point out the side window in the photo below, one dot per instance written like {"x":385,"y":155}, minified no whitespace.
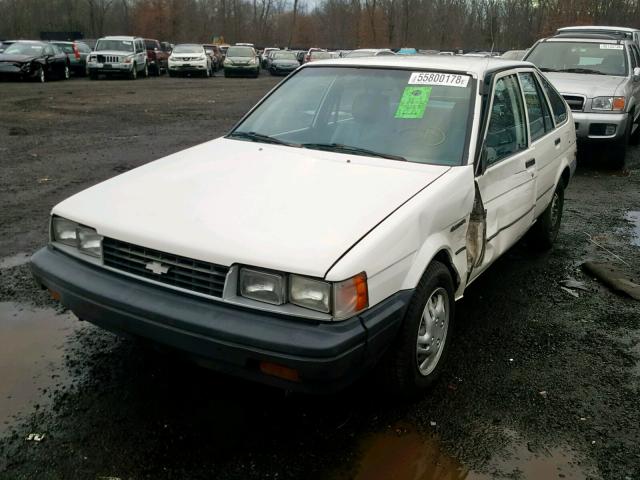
{"x":48,"y":50}
{"x":507,"y":133}
{"x":539,"y":115}
{"x":557,"y":103}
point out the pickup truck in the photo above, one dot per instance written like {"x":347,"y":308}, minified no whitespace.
{"x":333,"y":229}
{"x":157,"y":57}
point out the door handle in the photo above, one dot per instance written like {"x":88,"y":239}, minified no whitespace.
{"x":557,"y":142}
{"x":530,"y":163}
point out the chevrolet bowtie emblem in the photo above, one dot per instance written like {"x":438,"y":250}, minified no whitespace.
{"x":157,"y":268}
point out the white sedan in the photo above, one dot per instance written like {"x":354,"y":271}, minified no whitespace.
{"x":333,"y":229}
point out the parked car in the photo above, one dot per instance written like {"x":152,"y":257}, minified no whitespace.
{"x":34,"y":60}
{"x":157,"y":57}
{"x":190,"y":58}
{"x":599,"y":77}
{"x":630,"y":33}
{"x":369,"y":52}
{"x":264,"y":55}
{"x":513,"y":55}
{"x":77,"y":53}
{"x":216,"y":56}
{"x":241,"y":60}
{"x":365,"y":199}
{"x":307,"y":56}
{"x":119,"y":55}
{"x":283,"y":63}
{"x":321,"y":55}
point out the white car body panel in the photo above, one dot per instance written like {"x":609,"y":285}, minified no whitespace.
{"x":230,"y":201}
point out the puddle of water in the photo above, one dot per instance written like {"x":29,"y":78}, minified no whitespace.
{"x":634,"y":219}
{"x":14,"y":260}
{"x":403,"y":454}
{"x":31,"y":357}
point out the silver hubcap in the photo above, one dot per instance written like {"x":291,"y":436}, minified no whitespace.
{"x":66,"y":73}
{"x":432,"y":332}
{"x":42,"y":75}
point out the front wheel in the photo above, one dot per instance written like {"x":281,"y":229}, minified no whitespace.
{"x":41,"y":76}
{"x":544,"y":232}
{"x":415,"y":359}
{"x":133,"y":74}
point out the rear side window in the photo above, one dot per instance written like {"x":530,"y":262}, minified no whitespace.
{"x":557,"y":103}
{"x":507,"y":132}
{"x":539,"y":114}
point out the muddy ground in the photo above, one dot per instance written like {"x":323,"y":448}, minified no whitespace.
{"x":542,"y":384}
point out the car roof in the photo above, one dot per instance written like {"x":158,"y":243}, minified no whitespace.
{"x":599,"y":27}
{"x":117,"y":37}
{"x":28,"y":41}
{"x":476,"y":66}
{"x":588,"y":39}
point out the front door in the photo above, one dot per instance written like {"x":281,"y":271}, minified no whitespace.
{"x":508,"y":184}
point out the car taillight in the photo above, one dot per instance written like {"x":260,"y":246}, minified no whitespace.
{"x":76,"y":52}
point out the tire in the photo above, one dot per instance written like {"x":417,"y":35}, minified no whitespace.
{"x":405,"y":370}
{"x":544,"y":232}
{"x":634,"y":138}
{"x":619,"y":150}
{"x":145,"y":71}
{"x":41,"y":75}
{"x":133,"y":75}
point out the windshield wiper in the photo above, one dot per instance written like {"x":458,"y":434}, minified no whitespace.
{"x":260,"y":137}
{"x":582,"y":70}
{"x":338,"y":147}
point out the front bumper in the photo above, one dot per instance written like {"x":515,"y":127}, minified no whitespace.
{"x":10,"y":71}
{"x":240,"y":69}
{"x":110,"y":68}
{"x":592,"y":126}
{"x":188,"y":67}
{"x":230,"y":339}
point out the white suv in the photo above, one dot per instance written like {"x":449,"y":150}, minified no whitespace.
{"x":327,"y":232}
{"x":119,"y":56}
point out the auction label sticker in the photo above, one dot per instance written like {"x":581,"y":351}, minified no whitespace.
{"x":437,"y":78}
{"x":413,"y":102}
{"x":610,"y":46}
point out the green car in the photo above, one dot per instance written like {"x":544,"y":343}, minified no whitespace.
{"x":77,"y":53}
{"x":241,"y":60}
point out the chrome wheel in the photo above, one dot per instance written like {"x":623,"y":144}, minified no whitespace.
{"x":41,"y":76}
{"x":432,"y":331}
{"x":66,"y":72}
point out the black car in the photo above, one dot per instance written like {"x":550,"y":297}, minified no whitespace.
{"x":32,"y":60}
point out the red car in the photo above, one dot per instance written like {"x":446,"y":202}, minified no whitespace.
{"x":157,"y":57}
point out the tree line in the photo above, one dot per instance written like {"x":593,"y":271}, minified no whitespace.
{"x":428,"y":24}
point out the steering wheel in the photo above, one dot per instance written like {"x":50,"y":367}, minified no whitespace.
{"x":429,"y":136}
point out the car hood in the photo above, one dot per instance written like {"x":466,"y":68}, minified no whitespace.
{"x":583,"y":84}
{"x":17,"y":58}
{"x":231,"y":201}
{"x":240,"y":59}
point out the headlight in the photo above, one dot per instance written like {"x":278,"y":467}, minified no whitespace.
{"x":263,"y":286}
{"x":310,"y":293}
{"x":127,"y":59}
{"x":85,"y":239}
{"x":608,"y":103}
{"x":228,"y":61}
{"x":340,"y":299}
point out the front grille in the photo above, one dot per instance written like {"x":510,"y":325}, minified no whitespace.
{"x":187,"y":273}
{"x":575,"y":102}
{"x":108,"y":59}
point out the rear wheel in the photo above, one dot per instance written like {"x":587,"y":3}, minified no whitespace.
{"x":545,"y":231}
{"x":145,"y":72}
{"x":415,"y":359}
{"x":66,"y":73}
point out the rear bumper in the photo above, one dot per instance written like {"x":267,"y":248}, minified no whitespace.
{"x":591,"y":126}
{"x":327,"y":356}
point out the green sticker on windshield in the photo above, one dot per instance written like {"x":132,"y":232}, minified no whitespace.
{"x":413,"y":102}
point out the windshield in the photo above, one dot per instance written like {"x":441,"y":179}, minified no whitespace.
{"x":117,"y":45}
{"x":24,"y":49}
{"x":365,"y":111}
{"x":187,"y":49}
{"x":240,"y":52}
{"x":66,"y":47}
{"x":284,"y":56}
{"x":580,"y":57}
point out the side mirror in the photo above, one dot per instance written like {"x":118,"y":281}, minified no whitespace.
{"x":636,"y":74}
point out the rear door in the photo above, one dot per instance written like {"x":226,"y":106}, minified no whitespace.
{"x":508,"y":184}
{"x":545,"y":140}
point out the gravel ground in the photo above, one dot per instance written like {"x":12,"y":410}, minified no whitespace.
{"x":541,"y":384}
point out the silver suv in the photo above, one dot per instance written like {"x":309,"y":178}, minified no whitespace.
{"x":119,"y":56}
{"x":599,"y":77}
